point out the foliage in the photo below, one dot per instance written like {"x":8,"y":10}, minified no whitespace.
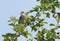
{"x":37,"y":23}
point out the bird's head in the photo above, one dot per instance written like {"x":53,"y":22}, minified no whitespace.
{"x":23,"y":13}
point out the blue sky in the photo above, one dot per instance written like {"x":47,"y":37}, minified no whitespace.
{"x":10,"y":8}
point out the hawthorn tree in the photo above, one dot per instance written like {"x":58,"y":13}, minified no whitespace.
{"x":36,"y":23}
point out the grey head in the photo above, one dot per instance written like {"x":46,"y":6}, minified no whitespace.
{"x":22,"y":12}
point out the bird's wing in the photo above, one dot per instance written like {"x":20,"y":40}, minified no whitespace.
{"x":19,"y":20}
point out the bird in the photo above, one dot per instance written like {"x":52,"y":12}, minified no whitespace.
{"x":22,"y":18}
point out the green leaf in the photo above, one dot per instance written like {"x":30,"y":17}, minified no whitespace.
{"x":58,"y":26}
{"x":44,"y":30}
{"x":38,"y":0}
{"x":9,"y":36}
{"x":43,"y":6}
{"x":46,"y":22}
{"x":57,"y":4}
{"x":35,"y":27}
{"x":29,"y":34}
{"x":38,"y":14}
{"x":36,"y":8}
{"x":52,"y":24}
{"x":11,"y":24}
{"x":31,"y":11}
{"x":13,"y":19}
{"x":25,"y":33}
{"x":32,"y":18}
{"x":48,"y":15}
{"x":52,"y":8}
{"x":19,"y":28}
{"x":59,"y":17}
